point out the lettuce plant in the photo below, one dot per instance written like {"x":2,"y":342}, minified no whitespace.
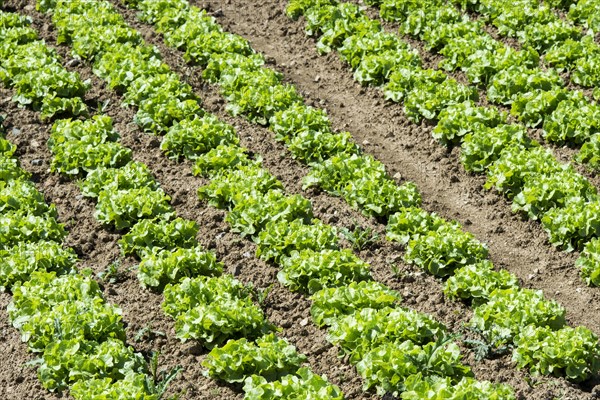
{"x":542,"y":192}
{"x":127,"y":62}
{"x":532,"y":107}
{"x":20,"y":261}
{"x":150,"y":236}
{"x":123,"y":208}
{"x":96,"y":130}
{"x":586,"y":13}
{"x":510,"y":18}
{"x":213,"y":310}
{"x":309,"y":270}
{"x":364,"y":183}
{"x":280,"y":239}
{"x":476,"y":282}
{"x":220,"y":159}
{"x":237,"y":183}
{"x":384,"y":326}
{"x":543,"y":35}
{"x":158,"y":112}
{"x":298,"y":118}
{"x":589,"y":262}
{"x":148,"y":86}
{"x":78,"y":158}
{"x":133,"y":175}
{"x":303,"y":385}
{"x":572,"y":352}
{"x":515,"y":163}
{"x":410,"y":222}
{"x":484,"y":146}
{"x":483,"y":65}
{"x":21,"y":227}
{"x":190,"y":138}
{"x":329,"y":304}
{"x":10,"y":169}
{"x":589,"y":154}
{"x":575,"y":120}
{"x":66,"y":362}
{"x":509,"y":311}
{"x":427,"y":100}
{"x":77,"y":320}
{"x":375,"y":69}
{"x":159,"y":268}
{"x":440,"y":252}
{"x":437,"y":388}
{"x":457,"y":120}
{"x":563,"y":55}
{"x":133,"y":386}
{"x":572,"y":226}
{"x":387,"y":367}
{"x":268,"y":357}
{"x":22,"y":195}
{"x":251,"y":213}
{"x":587,"y":70}
{"x":508,"y":84}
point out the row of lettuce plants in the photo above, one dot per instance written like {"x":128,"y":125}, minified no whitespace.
{"x":583,"y":12}
{"x":439,"y":246}
{"x":536,"y":94}
{"x":78,"y":338}
{"x":537,"y":183}
{"x":563,"y":44}
{"x":408,"y":352}
{"x":206,"y":304}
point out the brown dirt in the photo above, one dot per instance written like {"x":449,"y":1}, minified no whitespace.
{"x":380,"y":127}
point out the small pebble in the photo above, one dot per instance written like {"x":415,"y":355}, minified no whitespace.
{"x":73,"y":63}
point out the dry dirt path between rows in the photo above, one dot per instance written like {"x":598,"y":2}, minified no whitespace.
{"x":515,"y":244}
{"x":420,"y":291}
